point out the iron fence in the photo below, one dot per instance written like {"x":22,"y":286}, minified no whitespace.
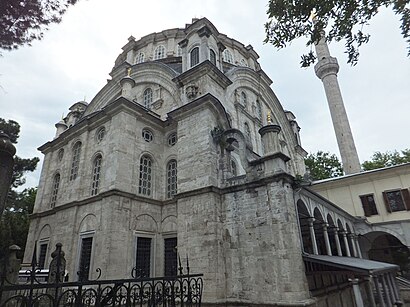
{"x":180,"y":290}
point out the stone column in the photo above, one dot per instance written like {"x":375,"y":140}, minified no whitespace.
{"x":351,"y":239}
{"x":369,"y":291}
{"x":312,"y":235}
{"x":338,"y":247}
{"x":357,"y":294}
{"x":359,"y":252}
{"x":327,"y":242}
{"x":127,"y":83}
{"x":7,"y":151}
{"x":270,"y":138}
{"x":378,"y":291}
{"x":346,"y":244}
{"x":387,"y":293}
{"x":394,"y":288}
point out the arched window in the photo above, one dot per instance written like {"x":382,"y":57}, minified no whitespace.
{"x":227,"y":55}
{"x":145,"y":182}
{"x":159,"y":52}
{"x":100,"y":134}
{"x":244,"y":101}
{"x":96,"y":174}
{"x":148,"y":98}
{"x":258,"y":109}
{"x":247,"y":130}
{"x":234,"y":169}
{"x":75,"y":161}
{"x":171,"y":178}
{"x":60,"y":154}
{"x":194,"y":56}
{"x":212,"y":56}
{"x":140,"y":58}
{"x":54,"y":192}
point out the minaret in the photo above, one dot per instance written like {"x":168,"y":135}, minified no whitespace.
{"x":326,"y":69}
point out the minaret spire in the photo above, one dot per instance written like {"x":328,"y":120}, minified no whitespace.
{"x":326,"y":69}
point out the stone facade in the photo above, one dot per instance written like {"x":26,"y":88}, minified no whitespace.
{"x":187,"y":141}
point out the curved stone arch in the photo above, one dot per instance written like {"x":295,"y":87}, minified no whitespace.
{"x":300,"y":203}
{"x":95,"y":154}
{"x":45,"y":232}
{"x":307,"y":201}
{"x":145,"y":222}
{"x":232,"y":135}
{"x":88,"y":223}
{"x":318,"y":214}
{"x":320,"y":209}
{"x":151,"y":72}
{"x":330,"y":219}
{"x":340,"y":224}
{"x":386,"y":230}
{"x":169,"y":224}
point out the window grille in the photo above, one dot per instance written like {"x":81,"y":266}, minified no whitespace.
{"x":258,"y":109}
{"x":170,"y":257}
{"x":148,"y":98}
{"x":85,"y":257}
{"x":171,"y":178}
{"x":100,"y":134}
{"x":60,"y":154}
{"x":143,"y":256}
{"x":194,"y":56}
{"x":54,"y":193}
{"x":212,"y":57}
{"x":42,"y":255}
{"x":145,"y":176}
{"x":96,"y":175}
{"x":159,"y":52}
{"x":140,"y":58}
{"x":227,"y":56}
{"x":147,"y":135}
{"x":244,"y":101}
{"x":172,"y":139}
{"x":76,"y":161}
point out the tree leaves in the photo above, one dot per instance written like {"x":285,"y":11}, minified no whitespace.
{"x":323,"y":165}
{"x":386,"y":159}
{"x":344,"y":20}
{"x":21,"y":22}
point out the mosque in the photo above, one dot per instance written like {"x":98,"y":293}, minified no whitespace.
{"x":187,"y":150}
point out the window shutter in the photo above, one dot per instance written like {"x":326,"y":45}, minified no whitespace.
{"x":386,"y":202}
{"x":366,"y":207}
{"x":406,"y":197}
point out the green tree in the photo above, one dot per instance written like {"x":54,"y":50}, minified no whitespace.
{"x":14,"y":221}
{"x":323,"y":165}
{"x":344,"y":19}
{"x":388,"y":158}
{"x":21,"y":22}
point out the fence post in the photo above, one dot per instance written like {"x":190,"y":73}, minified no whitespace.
{"x":7,"y":151}
{"x":9,"y":272}
{"x":56,"y":271}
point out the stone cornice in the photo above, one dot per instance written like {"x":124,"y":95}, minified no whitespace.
{"x":99,"y":197}
{"x":92,"y":120}
{"x":208,"y":100}
{"x":205,"y":68}
{"x":208,"y":189}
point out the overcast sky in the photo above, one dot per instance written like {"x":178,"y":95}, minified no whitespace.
{"x":72,"y":62}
